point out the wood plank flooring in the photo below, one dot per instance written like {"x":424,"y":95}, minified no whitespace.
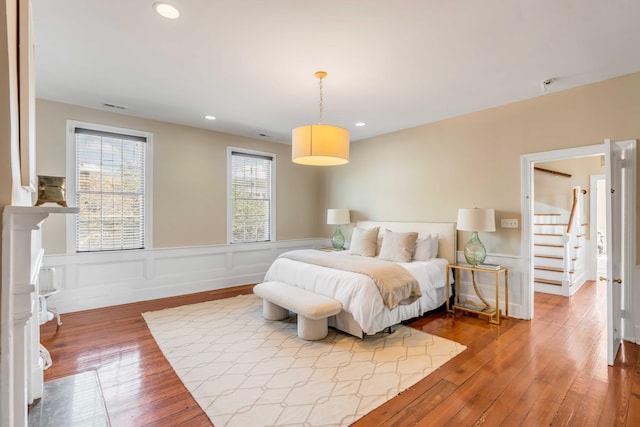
{"x":549,"y":371}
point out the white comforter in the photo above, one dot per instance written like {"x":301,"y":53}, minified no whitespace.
{"x":357,"y":292}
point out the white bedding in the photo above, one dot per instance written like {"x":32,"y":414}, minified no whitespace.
{"x":358,"y":293}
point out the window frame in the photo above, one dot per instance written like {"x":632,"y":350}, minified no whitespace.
{"x":71,"y":175}
{"x":272,"y":213}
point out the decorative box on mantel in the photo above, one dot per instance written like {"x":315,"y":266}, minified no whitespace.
{"x":20,"y":366}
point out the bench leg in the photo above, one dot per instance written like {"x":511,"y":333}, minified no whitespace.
{"x":271,"y":311}
{"x":312,"y":330}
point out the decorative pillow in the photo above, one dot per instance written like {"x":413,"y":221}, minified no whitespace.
{"x":423,"y":249}
{"x":379,"y":244}
{"x":364,"y":242}
{"x":434,"y":246}
{"x":398,"y":246}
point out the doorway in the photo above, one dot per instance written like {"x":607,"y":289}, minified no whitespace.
{"x":527,"y":162}
{"x":620,"y":168}
{"x":564,"y":254}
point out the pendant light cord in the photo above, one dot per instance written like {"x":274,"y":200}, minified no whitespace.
{"x":321,"y":102}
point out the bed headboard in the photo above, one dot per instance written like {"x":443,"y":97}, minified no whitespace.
{"x":446,"y":231}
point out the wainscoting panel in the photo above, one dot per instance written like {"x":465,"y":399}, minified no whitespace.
{"x":93,"y":280}
{"x":171,"y":265}
{"x":94,"y":274}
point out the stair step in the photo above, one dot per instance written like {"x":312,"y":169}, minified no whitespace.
{"x":551,"y":214}
{"x":547,"y":234}
{"x":552,"y":257}
{"x":548,"y":281}
{"x":545,"y":268}
{"x":550,"y":245}
{"x":555,"y":223}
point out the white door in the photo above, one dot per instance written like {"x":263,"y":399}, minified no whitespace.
{"x":616,"y":247}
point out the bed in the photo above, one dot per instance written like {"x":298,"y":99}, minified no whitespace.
{"x":364,"y":311}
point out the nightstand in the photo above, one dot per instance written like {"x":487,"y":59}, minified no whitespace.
{"x":483,"y":307}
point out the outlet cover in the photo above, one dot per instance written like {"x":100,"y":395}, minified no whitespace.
{"x":509,"y":223}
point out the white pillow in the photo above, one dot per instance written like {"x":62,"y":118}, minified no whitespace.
{"x":423,"y":249}
{"x":398,"y":246}
{"x":364,"y":242}
{"x":434,"y":246}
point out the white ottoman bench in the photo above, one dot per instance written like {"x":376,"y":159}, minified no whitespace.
{"x":312,"y":309}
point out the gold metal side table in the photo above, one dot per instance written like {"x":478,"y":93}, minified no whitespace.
{"x":483,"y":308}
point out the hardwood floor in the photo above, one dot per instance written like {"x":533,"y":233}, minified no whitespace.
{"x":549,"y":371}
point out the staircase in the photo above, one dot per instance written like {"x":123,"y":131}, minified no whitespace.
{"x":559,"y":250}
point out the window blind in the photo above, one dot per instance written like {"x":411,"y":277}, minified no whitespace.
{"x":110,"y":189}
{"x":251,"y":188}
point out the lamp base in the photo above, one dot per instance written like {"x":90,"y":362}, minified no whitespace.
{"x":337,"y":240}
{"x":475,"y":252}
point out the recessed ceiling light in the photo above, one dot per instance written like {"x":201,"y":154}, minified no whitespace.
{"x":166,"y":10}
{"x":360,"y":124}
{"x":210,"y":117}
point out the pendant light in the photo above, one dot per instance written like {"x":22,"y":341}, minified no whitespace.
{"x":320,"y":144}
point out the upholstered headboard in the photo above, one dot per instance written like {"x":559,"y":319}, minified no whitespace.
{"x":446,"y":232}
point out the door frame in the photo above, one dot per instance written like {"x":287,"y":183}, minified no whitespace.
{"x":526,"y":190}
{"x":592,"y":265}
{"x":629,"y":239}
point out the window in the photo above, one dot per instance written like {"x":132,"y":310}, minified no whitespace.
{"x":109,"y":183}
{"x":250,"y":189}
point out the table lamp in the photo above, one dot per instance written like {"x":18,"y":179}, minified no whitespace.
{"x":474,"y":220}
{"x":338,"y":217}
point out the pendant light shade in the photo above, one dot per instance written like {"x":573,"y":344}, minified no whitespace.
{"x":320,"y":144}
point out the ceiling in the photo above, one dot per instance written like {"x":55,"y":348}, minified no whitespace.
{"x":392,"y":65}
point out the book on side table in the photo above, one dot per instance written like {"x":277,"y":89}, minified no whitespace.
{"x":489,"y":266}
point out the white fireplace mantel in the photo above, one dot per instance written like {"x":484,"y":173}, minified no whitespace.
{"x":20,"y":367}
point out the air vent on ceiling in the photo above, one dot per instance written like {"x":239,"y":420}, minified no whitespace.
{"x":117,"y":107}
{"x":265,"y":135}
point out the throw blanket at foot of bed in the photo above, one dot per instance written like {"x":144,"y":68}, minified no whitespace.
{"x":396,"y":285}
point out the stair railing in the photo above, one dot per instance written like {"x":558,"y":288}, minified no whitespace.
{"x":571,"y":235}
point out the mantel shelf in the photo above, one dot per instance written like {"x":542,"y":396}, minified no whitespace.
{"x":30,"y":210}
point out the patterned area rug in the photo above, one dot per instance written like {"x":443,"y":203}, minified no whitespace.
{"x":244,"y":370}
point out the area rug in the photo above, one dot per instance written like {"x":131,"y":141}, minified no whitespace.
{"x":244,"y":370}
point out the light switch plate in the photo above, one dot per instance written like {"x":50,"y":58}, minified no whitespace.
{"x":509,"y":223}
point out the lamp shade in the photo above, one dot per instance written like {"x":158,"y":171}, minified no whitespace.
{"x":476,"y":219}
{"x":338,"y":216}
{"x":320,"y":145}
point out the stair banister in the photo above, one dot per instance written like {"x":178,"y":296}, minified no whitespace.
{"x":574,"y":205}
{"x":571,"y":235}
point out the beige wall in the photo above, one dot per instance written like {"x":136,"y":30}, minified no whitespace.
{"x":420,"y":174}
{"x":557,"y":191}
{"x":189,"y":179}
{"x":428,"y":172}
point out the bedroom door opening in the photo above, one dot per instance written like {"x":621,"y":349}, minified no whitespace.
{"x":620,"y":159}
